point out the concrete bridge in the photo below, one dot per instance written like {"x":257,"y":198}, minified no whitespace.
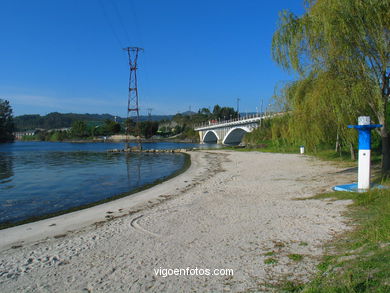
{"x":229,"y":132}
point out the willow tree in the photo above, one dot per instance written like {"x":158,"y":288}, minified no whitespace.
{"x":349,"y":41}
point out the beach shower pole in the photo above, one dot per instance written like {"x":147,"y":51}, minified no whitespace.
{"x":364,"y":165}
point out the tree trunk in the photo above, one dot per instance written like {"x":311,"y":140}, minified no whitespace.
{"x":353,"y":155}
{"x":384,"y":132}
{"x":385,"y":151}
{"x":337,"y":143}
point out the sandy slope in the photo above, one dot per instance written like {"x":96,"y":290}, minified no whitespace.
{"x":226,"y":212}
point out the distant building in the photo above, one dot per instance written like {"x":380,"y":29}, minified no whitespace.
{"x":20,"y":134}
{"x":59,"y":129}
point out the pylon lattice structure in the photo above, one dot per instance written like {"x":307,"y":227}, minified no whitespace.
{"x":132,"y":102}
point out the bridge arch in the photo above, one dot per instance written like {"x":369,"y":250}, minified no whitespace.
{"x":235,"y":135}
{"x":211,"y":136}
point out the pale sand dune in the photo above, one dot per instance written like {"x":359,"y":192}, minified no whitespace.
{"x":226,"y":211}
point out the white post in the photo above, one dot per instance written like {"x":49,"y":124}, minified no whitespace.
{"x":364,"y":164}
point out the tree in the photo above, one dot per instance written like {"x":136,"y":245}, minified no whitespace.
{"x":204,"y":111}
{"x":224,"y":112}
{"x":348,"y":42}
{"x":148,"y":128}
{"x":79,"y":129}
{"x":132,"y":127}
{"x":7,"y":126}
{"x":111,"y":127}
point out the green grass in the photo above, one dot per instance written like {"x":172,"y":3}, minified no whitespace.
{"x":361,"y":262}
{"x":270,"y":261}
{"x":295,"y":257}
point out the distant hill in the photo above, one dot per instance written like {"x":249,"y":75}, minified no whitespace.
{"x":188,"y":113}
{"x":57,"y":120}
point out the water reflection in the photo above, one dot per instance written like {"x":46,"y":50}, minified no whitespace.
{"x":6,"y":168}
{"x":132,"y":161}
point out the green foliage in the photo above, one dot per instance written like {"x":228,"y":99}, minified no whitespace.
{"x":270,"y":261}
{"x":190,"y":134}
{"x":295,"y":257}
{"x":79,"y":129}
{"x":43,"y":135}
{"x":145,"y":129}
{"x":224,"y":113}
{"x":148,"y":128}
{"x":111,"y":127}
{"x":259,"y":135}
{"x":7,"y":126}
{"x":57,"y":120}
{"x":341,"y":50}
{"x":58,"y":136}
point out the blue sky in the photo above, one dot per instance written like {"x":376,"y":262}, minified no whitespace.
{"x":66,"y":55}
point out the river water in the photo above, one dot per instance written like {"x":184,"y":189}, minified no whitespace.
{"x":39,"y":178}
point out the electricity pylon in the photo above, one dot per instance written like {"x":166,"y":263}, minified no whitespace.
{"x":132,"y":102}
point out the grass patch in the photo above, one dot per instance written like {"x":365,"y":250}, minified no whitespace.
{"x":295,"y":257}
{"x":270,"y":261}
{"x":362,"y":259}
{"x":269,"y":253}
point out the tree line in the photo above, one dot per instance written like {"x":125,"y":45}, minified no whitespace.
{"x":340,"y":51}
{"x":82,"y":130}
{"x":55,"y":126}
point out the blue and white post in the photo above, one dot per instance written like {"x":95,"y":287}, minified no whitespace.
{"x":364,"y":165}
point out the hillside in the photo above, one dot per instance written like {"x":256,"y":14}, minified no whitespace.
{"x":60,"y":120}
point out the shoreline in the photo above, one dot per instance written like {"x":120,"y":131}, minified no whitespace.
{"x":246,"y":211}
{"x":99,"y":212}
{"x":186,"y":165}
{"x":100,"y":140}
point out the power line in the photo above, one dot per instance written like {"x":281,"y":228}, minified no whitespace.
{"x":121,"y":21}
{"x":110,"y":24}
{"x":136,"y":23}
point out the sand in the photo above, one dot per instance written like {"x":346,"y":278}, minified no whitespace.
{"x":241,"y":211}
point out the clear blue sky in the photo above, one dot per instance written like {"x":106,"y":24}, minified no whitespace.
{"x":66,"y":56}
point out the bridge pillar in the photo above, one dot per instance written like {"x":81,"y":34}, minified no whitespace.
{"x":201,"y":136}
{"x":220,"y":136}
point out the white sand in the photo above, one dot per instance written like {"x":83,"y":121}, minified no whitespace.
{"x":226,"y":212}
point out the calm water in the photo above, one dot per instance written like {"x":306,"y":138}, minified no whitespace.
{"x":38,"y":178}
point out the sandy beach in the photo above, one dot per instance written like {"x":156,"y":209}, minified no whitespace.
{"x":228,"y":211}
